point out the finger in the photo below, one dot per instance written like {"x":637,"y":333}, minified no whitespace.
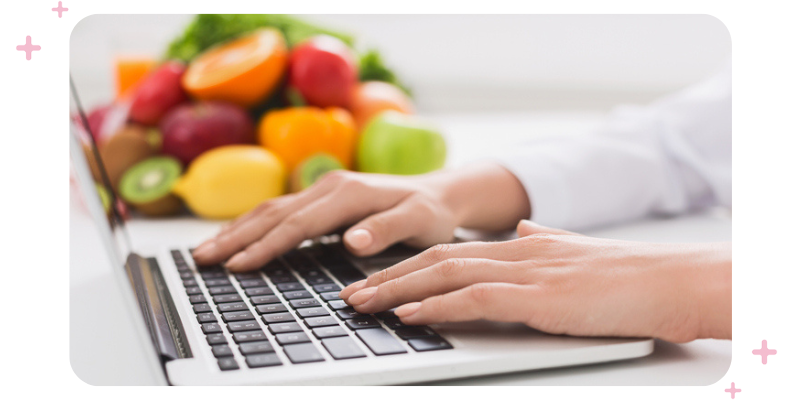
{"x":411,"y":218}
{"x":251,"y":227}
{"x":502,"y":302}
{"x":501,"y":251}
{"x":319,"y":217}
{"x":526,"y":228}
{"x":444,"y":277}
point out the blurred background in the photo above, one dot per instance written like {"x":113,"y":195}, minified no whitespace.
{"x":469,"y":63}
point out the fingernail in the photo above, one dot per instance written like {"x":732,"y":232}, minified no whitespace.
{"x":354,"y":287}
{"x":362,"y":296}
{"x":407,"y":309}
{"x":359,"y":238}
{"x":237,"y":259}
{"x":528,"y":223}
{"x":203,"y":249}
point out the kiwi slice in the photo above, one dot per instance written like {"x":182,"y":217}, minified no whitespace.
{"x":105,"y":197}
{"x":147,"y":186}
{"x":312,"y":169}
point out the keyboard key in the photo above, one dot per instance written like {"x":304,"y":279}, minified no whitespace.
{"x":237,"y":316}
{"x":312,"y":312}
{"x":239,"y":326}
{"x":216,"y":338}
{"x":328,"y":287}
{"x":262,"y":360}
{"x":227,"y":307}
{"x":329,"y":331}
{"x":244,"y":276}
{"x":342,"y":348}
{"x":298,"y":294}
{"x":189,"y":282}
{"x":187,"y":275}
{"x":227,"y":298}
{"x":303,"y":303}
{"x":213,"y":274}
{"x":383,"y":315}
{"x":414,"y":332}
{"x":256,"y":348}
{"x":284,"y":327}
{"x":279,"y":317}
{"x":268,"y":299}
{"x":380,"y":341}
{"x":275,"y":270}
{"x":193,"y":290}
{"x":221,"y":350}
{"x":221,"y":290}
{"x":303,"y":353}
{"x":349,"y":313}
{"x":206,"y":317}
{"x":211,"y":327}
{"x":283,"y":279}
{"x":227,"y":364}
{"x":197,"y":298}
{"x":394,"y":323}
{"x":218,"y":282}
{"x":270,"y":308}
{"x":338,"y":305}
{"x":330,"y":296}
{"x":201,"y":308}
{"x":315,"y":322}
{"x":429,"y":343}
{"x":292,"y":338}
{"x":253,"y":283}
{"x":258,"y":291}
{"x":288,"y":287}
{"x":319,"y":281}
{"x":310,"y":272}
{"x":249,"y":336}
{"x":362,"y":323}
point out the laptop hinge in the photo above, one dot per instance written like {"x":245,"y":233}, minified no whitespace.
{"x":158,"y":309}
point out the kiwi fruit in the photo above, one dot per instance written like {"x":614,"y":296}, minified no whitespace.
{"x":313,"y":168}
{"x":147,"y":186}
{"x":128,"y":146}
{"x":105,"y":197}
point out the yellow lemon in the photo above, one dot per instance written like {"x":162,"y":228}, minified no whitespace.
{"x":230,"y":180}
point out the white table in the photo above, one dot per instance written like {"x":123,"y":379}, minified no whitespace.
{"x":100,"y":356}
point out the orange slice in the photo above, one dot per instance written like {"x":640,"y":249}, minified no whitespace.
{"x":244,"y":71}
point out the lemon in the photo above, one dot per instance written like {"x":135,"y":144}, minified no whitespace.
{"x":230,"y":180}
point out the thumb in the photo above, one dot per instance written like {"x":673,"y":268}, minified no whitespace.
{"x":526,"y":228}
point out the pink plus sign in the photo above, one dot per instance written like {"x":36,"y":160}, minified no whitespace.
{"x":733,"y":390}
{"x":764,"y":351}
{"x":60,"y":9}
{"x":28,"y":48}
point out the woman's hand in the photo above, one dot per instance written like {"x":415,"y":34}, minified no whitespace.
{"x":563,"y":283}
{"x":420,"y":211}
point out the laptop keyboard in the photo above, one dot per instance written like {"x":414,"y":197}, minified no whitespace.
{"x":292,"y":305}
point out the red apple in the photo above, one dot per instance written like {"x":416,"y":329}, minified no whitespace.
{"x":324,"y":71}
{"x":191,"y":129}
{"x":158,"y":93}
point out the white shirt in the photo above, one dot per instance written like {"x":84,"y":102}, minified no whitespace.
{"x":670,"y":157}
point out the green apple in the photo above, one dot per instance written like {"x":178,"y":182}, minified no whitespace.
{"x":396,"y":143}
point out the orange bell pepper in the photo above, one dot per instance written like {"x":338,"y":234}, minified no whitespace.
{"x":295,"y":134}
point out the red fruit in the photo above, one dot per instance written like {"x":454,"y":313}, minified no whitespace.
{"x":158,"y":93}
{"x":191,"y":129}
{"x":324,"y":70}
{"x":96,"y":118}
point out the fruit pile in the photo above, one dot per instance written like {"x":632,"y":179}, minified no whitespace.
{"x":248,"y":119}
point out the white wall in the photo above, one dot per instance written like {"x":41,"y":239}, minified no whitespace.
{"x":479,"y":62}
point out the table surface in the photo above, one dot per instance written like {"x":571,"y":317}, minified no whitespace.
{"x":100,"y":356}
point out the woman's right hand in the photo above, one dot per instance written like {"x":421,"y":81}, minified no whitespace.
{"x":383,"y":209}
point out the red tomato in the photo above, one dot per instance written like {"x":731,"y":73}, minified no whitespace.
{"x":324,"y":70}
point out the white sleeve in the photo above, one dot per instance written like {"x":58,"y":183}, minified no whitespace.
{"x":670,"y":157}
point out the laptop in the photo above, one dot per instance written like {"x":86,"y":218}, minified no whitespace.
{"x":284,"y":324}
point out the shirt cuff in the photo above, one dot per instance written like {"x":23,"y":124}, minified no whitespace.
{"x":544,"y":183}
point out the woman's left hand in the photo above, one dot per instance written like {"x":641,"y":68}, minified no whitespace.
{"x":564,"y":283}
